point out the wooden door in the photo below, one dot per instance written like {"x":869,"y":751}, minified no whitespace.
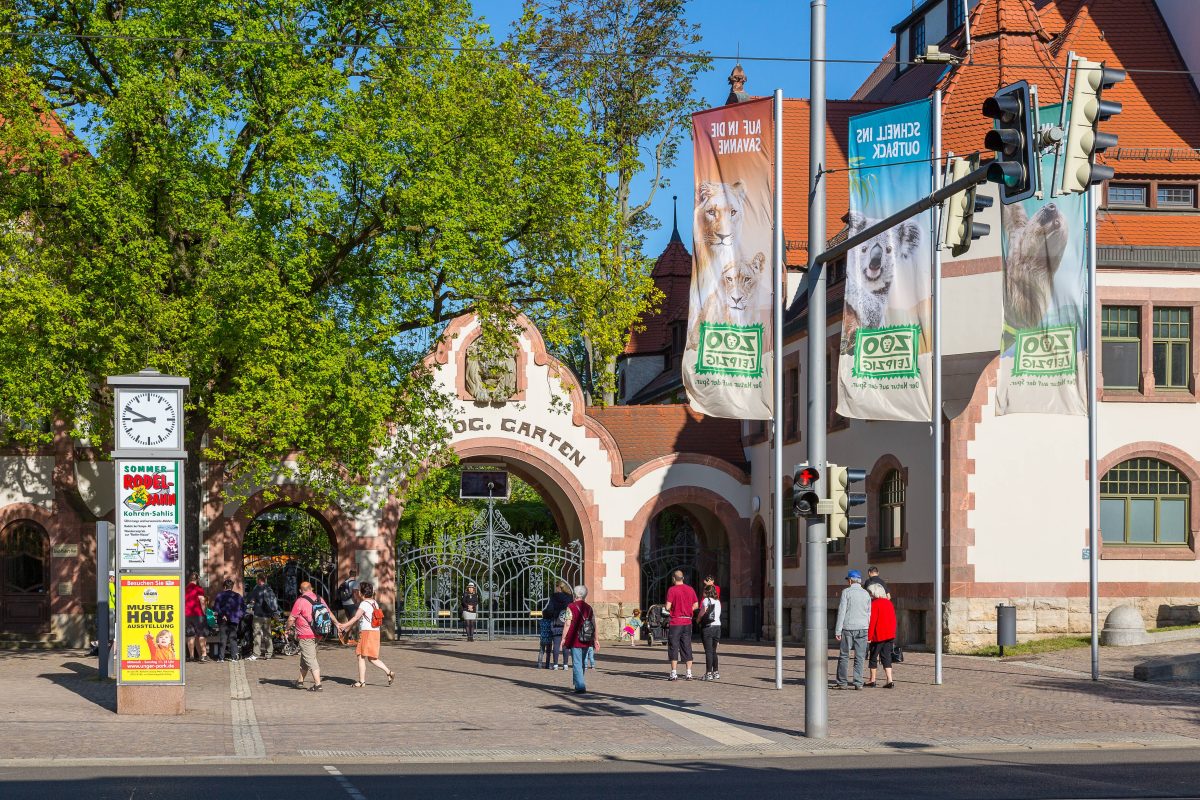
{"x":24,"y":579}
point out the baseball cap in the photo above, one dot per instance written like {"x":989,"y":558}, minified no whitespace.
{"x":853,"y":574}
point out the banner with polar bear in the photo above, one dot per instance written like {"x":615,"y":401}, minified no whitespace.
{"x":1043,"y":350}
{"x":884,"y":369}
{"x":727,"y":355}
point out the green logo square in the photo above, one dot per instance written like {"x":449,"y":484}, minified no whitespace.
{"x":886,"y":352}
{"x":1045,"y":351}
{"x":734,"y":350}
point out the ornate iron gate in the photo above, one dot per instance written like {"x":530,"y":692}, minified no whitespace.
{"x":514,"y":573}
{"x":684,"y":553}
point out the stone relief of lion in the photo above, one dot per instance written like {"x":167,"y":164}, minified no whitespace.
{"x":491,"y":380}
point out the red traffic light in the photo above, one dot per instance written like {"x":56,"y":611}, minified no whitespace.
{"x":807,"y":477}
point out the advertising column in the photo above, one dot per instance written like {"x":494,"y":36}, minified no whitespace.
{"x":149,"y":456}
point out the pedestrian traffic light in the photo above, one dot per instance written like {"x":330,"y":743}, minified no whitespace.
{"x":804,"y":490}
{"x":961,"y":227}
{"x":1014,"y":141}
{"x":1084,"y":138}
{"x":840,"y":481}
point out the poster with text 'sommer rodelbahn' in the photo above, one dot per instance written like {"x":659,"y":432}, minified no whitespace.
{"x":727,"y":358}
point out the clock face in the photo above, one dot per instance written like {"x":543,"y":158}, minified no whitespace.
{"x":149,"y":419}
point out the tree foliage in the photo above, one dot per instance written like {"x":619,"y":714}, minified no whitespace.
{"x":275,"y":200}
{"x":621,"y":60}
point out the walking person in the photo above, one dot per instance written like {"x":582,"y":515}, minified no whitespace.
{"x":470,"y":610}
{"x":195,"y":625}
{"x":369,"y":619}
{"x":347,"y":604}
{"x":557,"y":658}
{"x":850,"y":630}
{"x":681,"y":604}
{"x":632,"y":627}
{"x":710,"y":631}
{"x":873,"y":578}
{"x":881,"y":633}
{"x":579,"y":635}
{"x":301,"y":619}
{"x":264,"y":606}
{"x":710,"y":580}
{"x":230,"y":607}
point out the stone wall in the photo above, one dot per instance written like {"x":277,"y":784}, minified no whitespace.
{"x":971,"y":622}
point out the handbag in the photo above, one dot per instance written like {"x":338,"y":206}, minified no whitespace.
{"x":897,"y":654}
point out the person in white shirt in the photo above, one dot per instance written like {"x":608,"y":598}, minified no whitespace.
{"x":366,"y":617}
{"x":710,"y":631}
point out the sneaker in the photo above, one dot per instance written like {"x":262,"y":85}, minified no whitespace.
{"x":688,"y":677}
{"x":716,"y":676}
{"x":673,"y":677}
{"x":707,"y":676}
{"x":252,"y":657}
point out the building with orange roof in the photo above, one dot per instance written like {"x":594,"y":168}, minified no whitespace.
{"x":1015,"y":510}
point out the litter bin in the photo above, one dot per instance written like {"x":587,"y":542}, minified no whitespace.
{"x":1006,"y":626}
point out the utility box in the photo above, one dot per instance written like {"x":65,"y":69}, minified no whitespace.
{"x":1006,"y":626}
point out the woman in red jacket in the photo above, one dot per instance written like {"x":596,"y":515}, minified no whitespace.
{"x":881,"y":633}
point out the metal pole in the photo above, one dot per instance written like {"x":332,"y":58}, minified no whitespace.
{"x":491,"y":600}
{"x":1093,"y":326}
{"x":780,"y":297}
{"x":816,"y":621}
{"x":104,"y":612}
{"x":936,"y":410}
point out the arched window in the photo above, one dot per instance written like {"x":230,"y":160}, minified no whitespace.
{"x":23,"y":555}
{"x":1144,"y":501}
{"x":891,"y":512}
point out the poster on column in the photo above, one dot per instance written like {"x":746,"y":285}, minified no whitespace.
{"x":148,"y":514}
{"x":151,"y":628}
{"x":885,"y":355}
{"x":727,"y":357}
{"x":1043,"y":349}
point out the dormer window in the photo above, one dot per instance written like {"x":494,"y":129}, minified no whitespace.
{"x":916,"y":39}
{"x":956,"y":15}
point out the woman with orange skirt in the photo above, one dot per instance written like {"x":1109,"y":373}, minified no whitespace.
{"x":369,"y":618}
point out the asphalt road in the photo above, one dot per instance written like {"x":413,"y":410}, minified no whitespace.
{"x":1096,"y":773}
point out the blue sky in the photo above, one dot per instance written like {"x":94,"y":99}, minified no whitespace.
{"x":760,"y":28}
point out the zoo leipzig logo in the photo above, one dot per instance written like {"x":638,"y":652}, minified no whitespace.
{"x":886,"y":352}
{"x":734,"y":350}
{"x":1045,"y":351}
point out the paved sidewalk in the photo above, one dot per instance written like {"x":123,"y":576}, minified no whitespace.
{"x":455,"y":701}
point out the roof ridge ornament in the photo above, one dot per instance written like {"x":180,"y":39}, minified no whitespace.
{"x":737,"y":86}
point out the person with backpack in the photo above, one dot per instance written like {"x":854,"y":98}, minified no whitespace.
{"x":369,"y":618}
{"x":555,"y":612}
{"x":579,"y":635}
{"x":347,"y":604}
{"x":310,"y":617}
{"x":264,"y":606}
{"x":230,"y":607}
{"x":710,"y":631}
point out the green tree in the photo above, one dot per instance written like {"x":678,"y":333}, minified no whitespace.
{"x":620,"y":60}
{"x":278,"y":200}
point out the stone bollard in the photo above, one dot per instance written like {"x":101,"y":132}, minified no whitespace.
{"x":1124,"y":627}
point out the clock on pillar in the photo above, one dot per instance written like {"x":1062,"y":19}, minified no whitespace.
{"x":148,"y":415}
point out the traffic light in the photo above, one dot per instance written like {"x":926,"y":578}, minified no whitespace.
{"x":1014,"y":141}
{"x":840,"y":481}
{"x":1084,"y":138}
{"x":804,"y":490}
{"x":961,"y":227}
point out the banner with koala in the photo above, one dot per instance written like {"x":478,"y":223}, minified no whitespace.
{"x":727,"y":357}
{"x":1043,"y":350}
{"x":884,"y":371}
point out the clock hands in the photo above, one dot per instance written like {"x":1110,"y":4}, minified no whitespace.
{"x":140,"y":417}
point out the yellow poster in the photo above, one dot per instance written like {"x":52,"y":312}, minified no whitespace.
{"x":151,"y":621}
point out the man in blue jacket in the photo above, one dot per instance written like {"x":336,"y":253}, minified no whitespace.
{"x":853,"y":618}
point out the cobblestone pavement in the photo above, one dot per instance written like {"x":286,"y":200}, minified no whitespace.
{"x":458,"y":701}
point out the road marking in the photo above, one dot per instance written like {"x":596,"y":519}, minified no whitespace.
{"x":707,"y":726}
{"x":247,"y":739}
{"x":345,"y":783}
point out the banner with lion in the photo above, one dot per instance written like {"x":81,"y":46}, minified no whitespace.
{"x":885,"y":359}
{"x":727,"y":357}
{"x":1043,"y":349}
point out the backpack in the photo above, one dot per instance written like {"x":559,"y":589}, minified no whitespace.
{"x":322,"y":620}
{"x":586,"y":633}
{"x":707,"y":617}
{"x":346,"y":592}
{"x":376,"y":616}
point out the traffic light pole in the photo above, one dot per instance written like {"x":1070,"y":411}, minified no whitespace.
{"x":1093,"y":323}
{"x":816,"y":618}
{"x":935,"y":415}
{"x":780,"y":297}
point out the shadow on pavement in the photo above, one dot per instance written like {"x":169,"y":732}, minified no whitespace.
{"x":84,"y":680}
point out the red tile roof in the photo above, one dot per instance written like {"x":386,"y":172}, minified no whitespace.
{"x":646,"y":432}
{"x":1162,"y":230}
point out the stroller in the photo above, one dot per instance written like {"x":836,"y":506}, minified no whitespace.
{"x":657,"y":621}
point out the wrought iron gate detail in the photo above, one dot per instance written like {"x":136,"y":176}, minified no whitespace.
{"x":514,"y":573}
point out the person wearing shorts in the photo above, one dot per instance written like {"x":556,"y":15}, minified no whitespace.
{"x":300,"y":618}
{"x":368,"y":633}
{"x":195,"y":626}
{"x":682,"y":604}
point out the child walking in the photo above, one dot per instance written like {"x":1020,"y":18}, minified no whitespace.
{"x":632,"y":627}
